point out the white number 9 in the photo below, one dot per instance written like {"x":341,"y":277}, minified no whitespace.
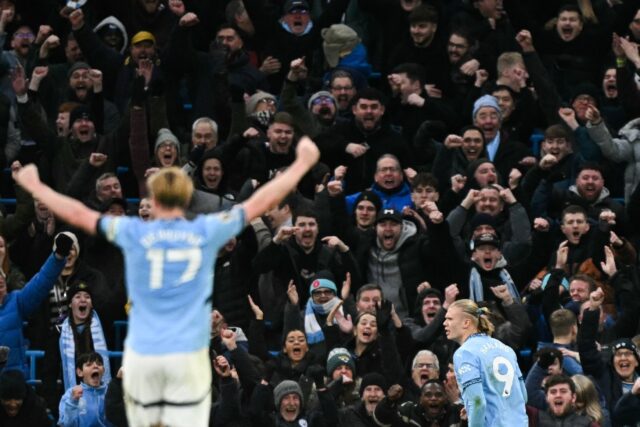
{"x":507,"y":377}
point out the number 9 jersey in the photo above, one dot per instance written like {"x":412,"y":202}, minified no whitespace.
{"x":169,"y":277}
{"x":490,"y":382}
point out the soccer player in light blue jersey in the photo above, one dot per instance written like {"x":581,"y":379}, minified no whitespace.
{"x":169,"y":273}
{"x":487,"y":370}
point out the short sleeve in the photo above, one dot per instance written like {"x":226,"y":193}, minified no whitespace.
{"x":222,"y":226}
{"x":113,"y":229}
{"x":467,"y":369}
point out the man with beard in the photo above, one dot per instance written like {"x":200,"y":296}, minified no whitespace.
{"x":589,"y":191}
{"x":119,"y":70}
{"x":400,"y":258}
{"x":226,"y":58}
{"x":62,"y":155}
{"x":300,"y":258}
{"x":560,"y":394}
{"x":321,"y":111}
{"x":359,"y":143}
{"x":19,"y":404}
{"x":342,"y":87}
{"x":431,"y":408}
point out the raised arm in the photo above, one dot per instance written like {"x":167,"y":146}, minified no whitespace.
{"x":70,"y":210}
{"x":274,"y":191}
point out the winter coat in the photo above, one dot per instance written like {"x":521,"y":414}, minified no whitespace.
{"x":18,"y":305}
{"x":626,"y":148}
{"x":33,"y":413}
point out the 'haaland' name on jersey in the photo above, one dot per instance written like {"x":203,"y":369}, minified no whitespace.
{"x":151,"y":239}
{"x":494,"y":345}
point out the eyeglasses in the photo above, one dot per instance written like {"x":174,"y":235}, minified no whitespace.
{"x":322,"y":100}
{"x":300,"y":11}
{"x":268,"y":101}
{"x":425,"y":366}
{"x":325,"y":292}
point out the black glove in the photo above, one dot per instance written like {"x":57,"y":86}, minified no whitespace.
{"x":316,"y":373}
{"x":63,"y":245}
{"x":196,"y":154}
{"x":547,"y":356}
{"x":383,"y":315}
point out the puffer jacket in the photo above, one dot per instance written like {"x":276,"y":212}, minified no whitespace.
{"x":18,"y":305}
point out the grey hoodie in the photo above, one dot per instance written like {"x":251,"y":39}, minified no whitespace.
{"x":384,"y":269}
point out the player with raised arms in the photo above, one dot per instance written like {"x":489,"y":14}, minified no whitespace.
{"x":169,"y":276}
{"x":487,"y":370}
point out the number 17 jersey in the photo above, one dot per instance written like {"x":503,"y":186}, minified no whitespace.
{"x":169,"y":277}
{"x":489,"y":362}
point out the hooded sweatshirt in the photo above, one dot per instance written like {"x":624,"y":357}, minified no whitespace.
{"x":112,"y":20}
{"x":384,"y":269}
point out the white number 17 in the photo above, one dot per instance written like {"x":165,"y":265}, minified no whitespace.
{"x":157,"y":258}
{"x":507,"y":377}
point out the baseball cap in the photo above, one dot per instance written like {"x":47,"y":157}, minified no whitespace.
{"x":485,"y":239}
{"x":291,"y":5}
{"x":389,"y":213}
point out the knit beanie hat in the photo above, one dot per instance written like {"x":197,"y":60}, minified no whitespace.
{"x":73,"y":237}
{"x":338,"y":357}
{"x":322,"y":283}
{"x":284,"y":388}
{"x":373,"y":378}
{"x":482,"y":219}
{"x":627,"y":344}
{"x":165,"y":135}
{"x":486,"y":101}
{"x":78,"y":66}
{"x":253,"y":101}
{"x":370,"y":196}
{"x":12,"y":385}
{"x":320,"y":94}
{"x":78,"y":287}
{"x":80,"y":112}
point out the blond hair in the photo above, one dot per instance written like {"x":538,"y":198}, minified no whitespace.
{"x":508,"y":60}
{"x":480,"y":315}
{"x":586,"y":392}
{"x":171,"y":188}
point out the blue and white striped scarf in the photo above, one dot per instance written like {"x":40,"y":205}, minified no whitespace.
{"x":68,"y":350}
{"x":312,"y":329}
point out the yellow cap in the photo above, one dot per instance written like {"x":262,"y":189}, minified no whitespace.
{"x":142,"y":36}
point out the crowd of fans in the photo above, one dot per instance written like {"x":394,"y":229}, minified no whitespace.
{"x":482,"y":149}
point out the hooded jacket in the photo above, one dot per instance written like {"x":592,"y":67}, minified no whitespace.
{"x":420,"y":257}
{"x":88,"y":411}
{"x":112,"y":20}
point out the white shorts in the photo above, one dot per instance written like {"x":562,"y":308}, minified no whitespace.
{"x":173,"y":389}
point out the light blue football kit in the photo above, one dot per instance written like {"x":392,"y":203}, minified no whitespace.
{"x":491,"y":383}
{"x":169,"y":277}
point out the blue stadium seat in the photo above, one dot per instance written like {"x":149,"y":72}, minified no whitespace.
{"x":120,"y":332}
{"x":33,"y":356}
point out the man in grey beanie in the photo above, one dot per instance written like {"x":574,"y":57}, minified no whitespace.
{"x":289,"y":405}
{"x":167,"y":149}
{"x":504,"y":152}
